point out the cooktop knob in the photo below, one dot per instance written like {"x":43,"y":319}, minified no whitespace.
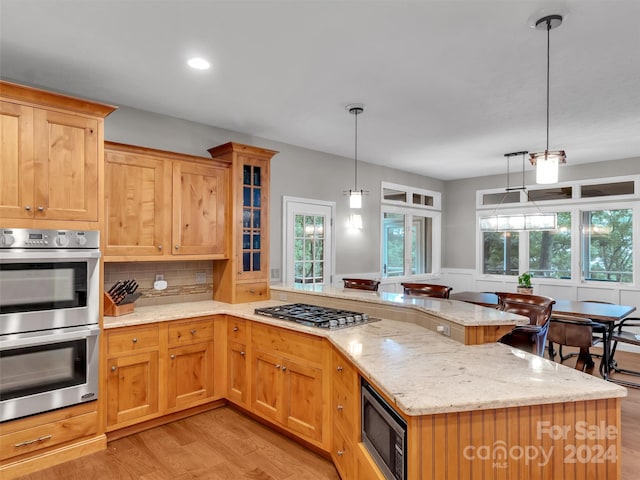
{"x":7,"y":240}
{"x":62,"y":241}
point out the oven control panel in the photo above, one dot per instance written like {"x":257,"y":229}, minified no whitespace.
{"x":48,"y":239}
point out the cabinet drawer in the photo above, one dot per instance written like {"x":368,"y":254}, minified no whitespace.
{"x":251,"y":292}
{"x":345,"y":374}
{"x":345,"y":410}
{"x":132,"y":340}
{"x":237,"y":329}
{"x":296,"y":344}
{"x":343,"y":455}
{"x":47,"y":435}
{"x":194,"y":331}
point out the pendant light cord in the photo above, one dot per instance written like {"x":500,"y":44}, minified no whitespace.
{"x":355,"y":156}
{"x":548,"y":55}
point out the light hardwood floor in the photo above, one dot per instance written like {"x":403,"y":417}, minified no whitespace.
{"x":225,"y":444}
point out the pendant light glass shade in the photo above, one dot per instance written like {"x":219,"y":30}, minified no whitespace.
{"x":355,"y":199}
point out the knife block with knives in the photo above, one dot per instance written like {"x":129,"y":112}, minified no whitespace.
{"x":120,"y":298}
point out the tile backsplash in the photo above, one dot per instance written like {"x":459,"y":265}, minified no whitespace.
{"x":183,"y":280}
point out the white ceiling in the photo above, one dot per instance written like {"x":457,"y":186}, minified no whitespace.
{"x":450,"y":86}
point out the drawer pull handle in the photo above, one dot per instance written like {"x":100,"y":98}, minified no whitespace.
{"x":113,"y":368}
{"x":159,"y":247}
{"x":193,"y":331}
{"x":235,"y":329}
{"x":40,"y":208}
{"x":242,"y":353}
{"x":252,"y":290}
{"x":29,"y":442}
{"x":277,"y":365}
{"x":284,"y":369}
{"x":339,"y":368}
{"x":173,"y":357}
{"x":339,"y":408}
{"x":177,"y":247}
{"x":340,"y":453}
{"x":27,"y":208}
{"x":134,"y":340}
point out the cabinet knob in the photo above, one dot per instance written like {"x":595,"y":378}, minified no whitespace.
{"x":339,"y":368}
{"x":134,"y":340}
{"x":193,"y":331}
{"x":284,"y":369}
{"x":242,"y":353}
{"x":27,"y":208}
{"x":173,"y":357}
{"x":113,"y":368}
{"x":340,"y":453}
{"x":159,"y":247}
{"x":339,"y":408}
{"x":40,"y":208}
{"x":177,"y":247}
{"x":235,"y":329}
{"x":277,"y":365}
{"x":252,"y":290}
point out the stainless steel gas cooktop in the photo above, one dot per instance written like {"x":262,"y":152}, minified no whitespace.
{"x":314,"y":316}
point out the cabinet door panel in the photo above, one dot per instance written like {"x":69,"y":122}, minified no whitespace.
{"x":190,"y":375}
{"x":16,"y":152}
{"x":199,"y":195}
{"x":132,"y":388}
{"x":135,"y":217}
{"x":66,"y":155}
{"x":267,"y":385}
{"x":237,"y":375}
{"x":303,"y":398}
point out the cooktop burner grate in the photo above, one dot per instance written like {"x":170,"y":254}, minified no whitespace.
{"x":315,"y":316}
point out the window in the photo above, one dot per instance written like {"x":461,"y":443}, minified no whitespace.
{"x":500,"y":253}
{"x":607,"y":245}
{"x":410,"y":231}
{"x":550,"y":251}
{"x":309,"y":249}
{"x":589,"y":244}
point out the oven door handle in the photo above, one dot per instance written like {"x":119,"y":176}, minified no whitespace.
{"x":60,"y":255}
{"x":55,"y":336}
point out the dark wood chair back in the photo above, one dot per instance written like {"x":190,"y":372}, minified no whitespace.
{"x":361,"y":284}
{"x":426,"y":289}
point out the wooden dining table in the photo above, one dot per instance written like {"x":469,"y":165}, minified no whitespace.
{"x":605,"y":313}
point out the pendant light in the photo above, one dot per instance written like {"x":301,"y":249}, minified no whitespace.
{"x":547,"y":162}
{"x":355,"y":195}
{"x":517,"y":221}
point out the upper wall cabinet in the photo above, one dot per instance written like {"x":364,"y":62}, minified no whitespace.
{"x":162,"y":205}
{"x":51,"y":158}
{"x":245,"y":276}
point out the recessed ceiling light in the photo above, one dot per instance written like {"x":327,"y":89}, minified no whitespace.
{"x":198,"y":63}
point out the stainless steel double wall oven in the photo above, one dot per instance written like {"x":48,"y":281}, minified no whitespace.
{"x":49,"y":320}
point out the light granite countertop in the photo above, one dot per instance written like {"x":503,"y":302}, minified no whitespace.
{"x":422,"y":371}
{"x":461,"y":313}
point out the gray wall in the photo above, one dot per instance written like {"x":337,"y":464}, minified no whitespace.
{"x":459,"y":200}
{"x":295,"y":171}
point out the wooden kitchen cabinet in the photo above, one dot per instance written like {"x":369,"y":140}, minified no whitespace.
{"x":190,"y":370}
{"x":164,"y":206}
{"x":237,"y":361}
{"x":287,"y":380}
{"x":244,"y":277}
{"x":345,"y":409}
{"x":132,"y":375}
{"x":52,"y":151}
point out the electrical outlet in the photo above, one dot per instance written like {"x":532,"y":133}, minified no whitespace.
{"x":282,"y":296}
{"x":159,"y":277}
{"x":444,"y":330}
{"x":201,"y":277}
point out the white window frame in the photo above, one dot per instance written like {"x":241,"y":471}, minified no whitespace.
{"x":575,"y":206}
{"x":410,"y":210}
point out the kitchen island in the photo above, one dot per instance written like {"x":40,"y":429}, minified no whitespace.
{"x":471,"y":409}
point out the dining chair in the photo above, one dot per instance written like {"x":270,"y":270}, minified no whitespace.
{"x":572,"y":331}
{"x":537,"y":308}
{"x":361,"y":284}
{"x":426,"y":289}
{"x":620,"y":335}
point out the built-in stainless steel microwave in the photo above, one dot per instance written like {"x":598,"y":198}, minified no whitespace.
{"x":384,"y":433}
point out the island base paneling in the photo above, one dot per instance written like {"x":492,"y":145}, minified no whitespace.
{"x":572,"y":441}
